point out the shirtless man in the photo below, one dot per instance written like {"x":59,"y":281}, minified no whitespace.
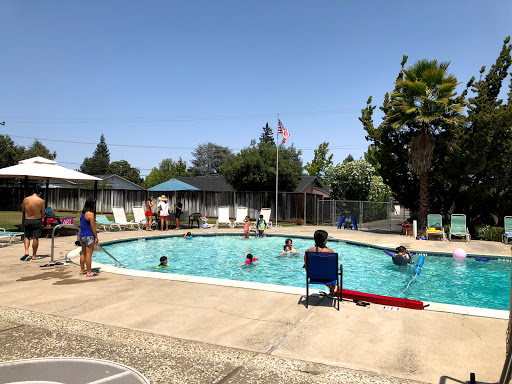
{"x":33,"y":206}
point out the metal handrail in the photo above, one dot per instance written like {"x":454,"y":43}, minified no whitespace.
{"x":78,"y":229}
{"x":61,"y":226}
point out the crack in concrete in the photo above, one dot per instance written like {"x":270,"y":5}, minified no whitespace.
{"x":229,"y":375}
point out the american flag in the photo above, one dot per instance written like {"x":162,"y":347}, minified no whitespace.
{"x":282,"y":130}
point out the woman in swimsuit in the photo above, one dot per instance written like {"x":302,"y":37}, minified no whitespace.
{"x":149,"y":214}
{"x":320,"y":246}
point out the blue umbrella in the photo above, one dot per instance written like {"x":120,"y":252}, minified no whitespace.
{"x":173,"y":185}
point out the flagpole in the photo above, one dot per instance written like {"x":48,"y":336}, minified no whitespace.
{"x":277,"y":163}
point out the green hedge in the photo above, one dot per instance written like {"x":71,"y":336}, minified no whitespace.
{"x":488,"y":233}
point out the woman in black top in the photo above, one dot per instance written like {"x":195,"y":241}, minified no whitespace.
{"x":179,"y":208}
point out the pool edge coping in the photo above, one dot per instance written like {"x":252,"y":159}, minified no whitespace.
{"x":432,"y":306}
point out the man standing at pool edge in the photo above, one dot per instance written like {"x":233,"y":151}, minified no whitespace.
{"x":33,"y":206}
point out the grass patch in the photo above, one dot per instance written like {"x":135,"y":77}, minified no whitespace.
{"x":8,"y":219}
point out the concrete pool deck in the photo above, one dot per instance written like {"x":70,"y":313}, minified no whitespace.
{"x":174,"y":331}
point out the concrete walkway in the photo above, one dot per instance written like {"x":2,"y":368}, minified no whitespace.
{"x":174,"y":332}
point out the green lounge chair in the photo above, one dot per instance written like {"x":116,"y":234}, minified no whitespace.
{"x":508,"y":229}
{"x":435,"y":221}
{"x":102,"y":221}
{"x":9,"y":236}
{"x":458,"y":227}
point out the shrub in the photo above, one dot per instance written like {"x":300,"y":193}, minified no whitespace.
{"x":298,"y":221}
{"x":488,"y":233}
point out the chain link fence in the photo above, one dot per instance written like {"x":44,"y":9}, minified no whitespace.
{"x":370,"y":215}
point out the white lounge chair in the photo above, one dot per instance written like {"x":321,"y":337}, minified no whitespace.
{"x":139,"y":216}
{"x":241,"y":212}
{"x":266,"y":216}
{"x":223,"y":217}
{"x":120,"y":218}
{"x":9,"y":236}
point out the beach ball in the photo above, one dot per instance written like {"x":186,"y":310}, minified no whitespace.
{"x":459,"y":254}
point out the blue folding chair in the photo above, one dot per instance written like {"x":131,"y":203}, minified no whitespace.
{"x":322,"y":268}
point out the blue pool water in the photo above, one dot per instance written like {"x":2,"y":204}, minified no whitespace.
{"x":442,"y":279}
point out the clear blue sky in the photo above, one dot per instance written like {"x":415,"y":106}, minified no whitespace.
{"x":182,"y":73}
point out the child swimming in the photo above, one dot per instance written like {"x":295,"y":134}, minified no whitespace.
{"x":250,"y":259}
{"x":188,"y":235}
{"x":287,"y":249}
{"x":163,"y":263}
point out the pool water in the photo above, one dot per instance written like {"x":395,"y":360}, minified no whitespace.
{"x":365,"y":269}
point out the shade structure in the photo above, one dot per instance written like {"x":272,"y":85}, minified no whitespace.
{"x":39,"y":168}
{"x":173,"y":185}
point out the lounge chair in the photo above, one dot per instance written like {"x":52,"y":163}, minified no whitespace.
{"x":120,"y":218}
{"x":223,"y":217}
{"x":508,"y":229}
{"x":102,"y":221}
{"x":139,"y":216}
{"x":322,"y":268}
{"x":241,"y":212}
{"x":435,"y":227}
{"x":458,"y":227}
{"x":266,"y":216}
{"x":9,"y":236}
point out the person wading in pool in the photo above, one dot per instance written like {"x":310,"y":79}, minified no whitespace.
{"x":320,"y":246}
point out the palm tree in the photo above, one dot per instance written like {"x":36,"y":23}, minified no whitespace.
{"x":424,"y":102}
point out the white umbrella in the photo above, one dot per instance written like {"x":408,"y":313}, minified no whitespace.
{"x":40,"y":168}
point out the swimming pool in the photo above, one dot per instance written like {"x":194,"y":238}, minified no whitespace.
{"x":366,"y":269}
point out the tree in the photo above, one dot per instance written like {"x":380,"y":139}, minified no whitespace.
{"x":478,"y":173}
{"x":98,"y":163}
{"x":167,"y":169}
{"x":356,"y":180}
{"x":208,"y":158}
{"x":348,"y":159}
{"x":320,"y":162}
{"x":10,"y":153}
{"x":124,"y":169}
{"x":267,"y":137}
{"x":254,"y":168}
{"x":424,"y":103}
{"x":38,"y":149}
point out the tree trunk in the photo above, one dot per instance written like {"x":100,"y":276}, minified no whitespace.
{"x":424,"y":202}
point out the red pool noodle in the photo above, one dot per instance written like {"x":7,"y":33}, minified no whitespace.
{"x":384,"y":300}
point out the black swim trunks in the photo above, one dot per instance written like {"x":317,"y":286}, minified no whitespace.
{"x":33,"y":228}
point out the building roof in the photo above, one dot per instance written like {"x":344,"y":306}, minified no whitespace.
{"x":306,"y":181}
{"x":114,"y":185}
{"x":208,"y":183}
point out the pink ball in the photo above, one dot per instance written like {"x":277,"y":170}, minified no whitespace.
{"x":459,"y":254}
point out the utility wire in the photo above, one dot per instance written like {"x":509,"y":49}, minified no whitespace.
{"x":160,"y":147}
{"x":89,"y":120}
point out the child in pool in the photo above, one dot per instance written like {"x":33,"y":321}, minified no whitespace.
{"x":163,"y":263}
{"x":188,"y":236}
{"x":290,"y":243}
{"x":250,"y":259}
{"x":287,"y":249}
{"x":247,"y":229}
{"x":261,"y":225}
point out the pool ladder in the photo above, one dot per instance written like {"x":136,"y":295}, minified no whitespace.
{"x":78,"y":229}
